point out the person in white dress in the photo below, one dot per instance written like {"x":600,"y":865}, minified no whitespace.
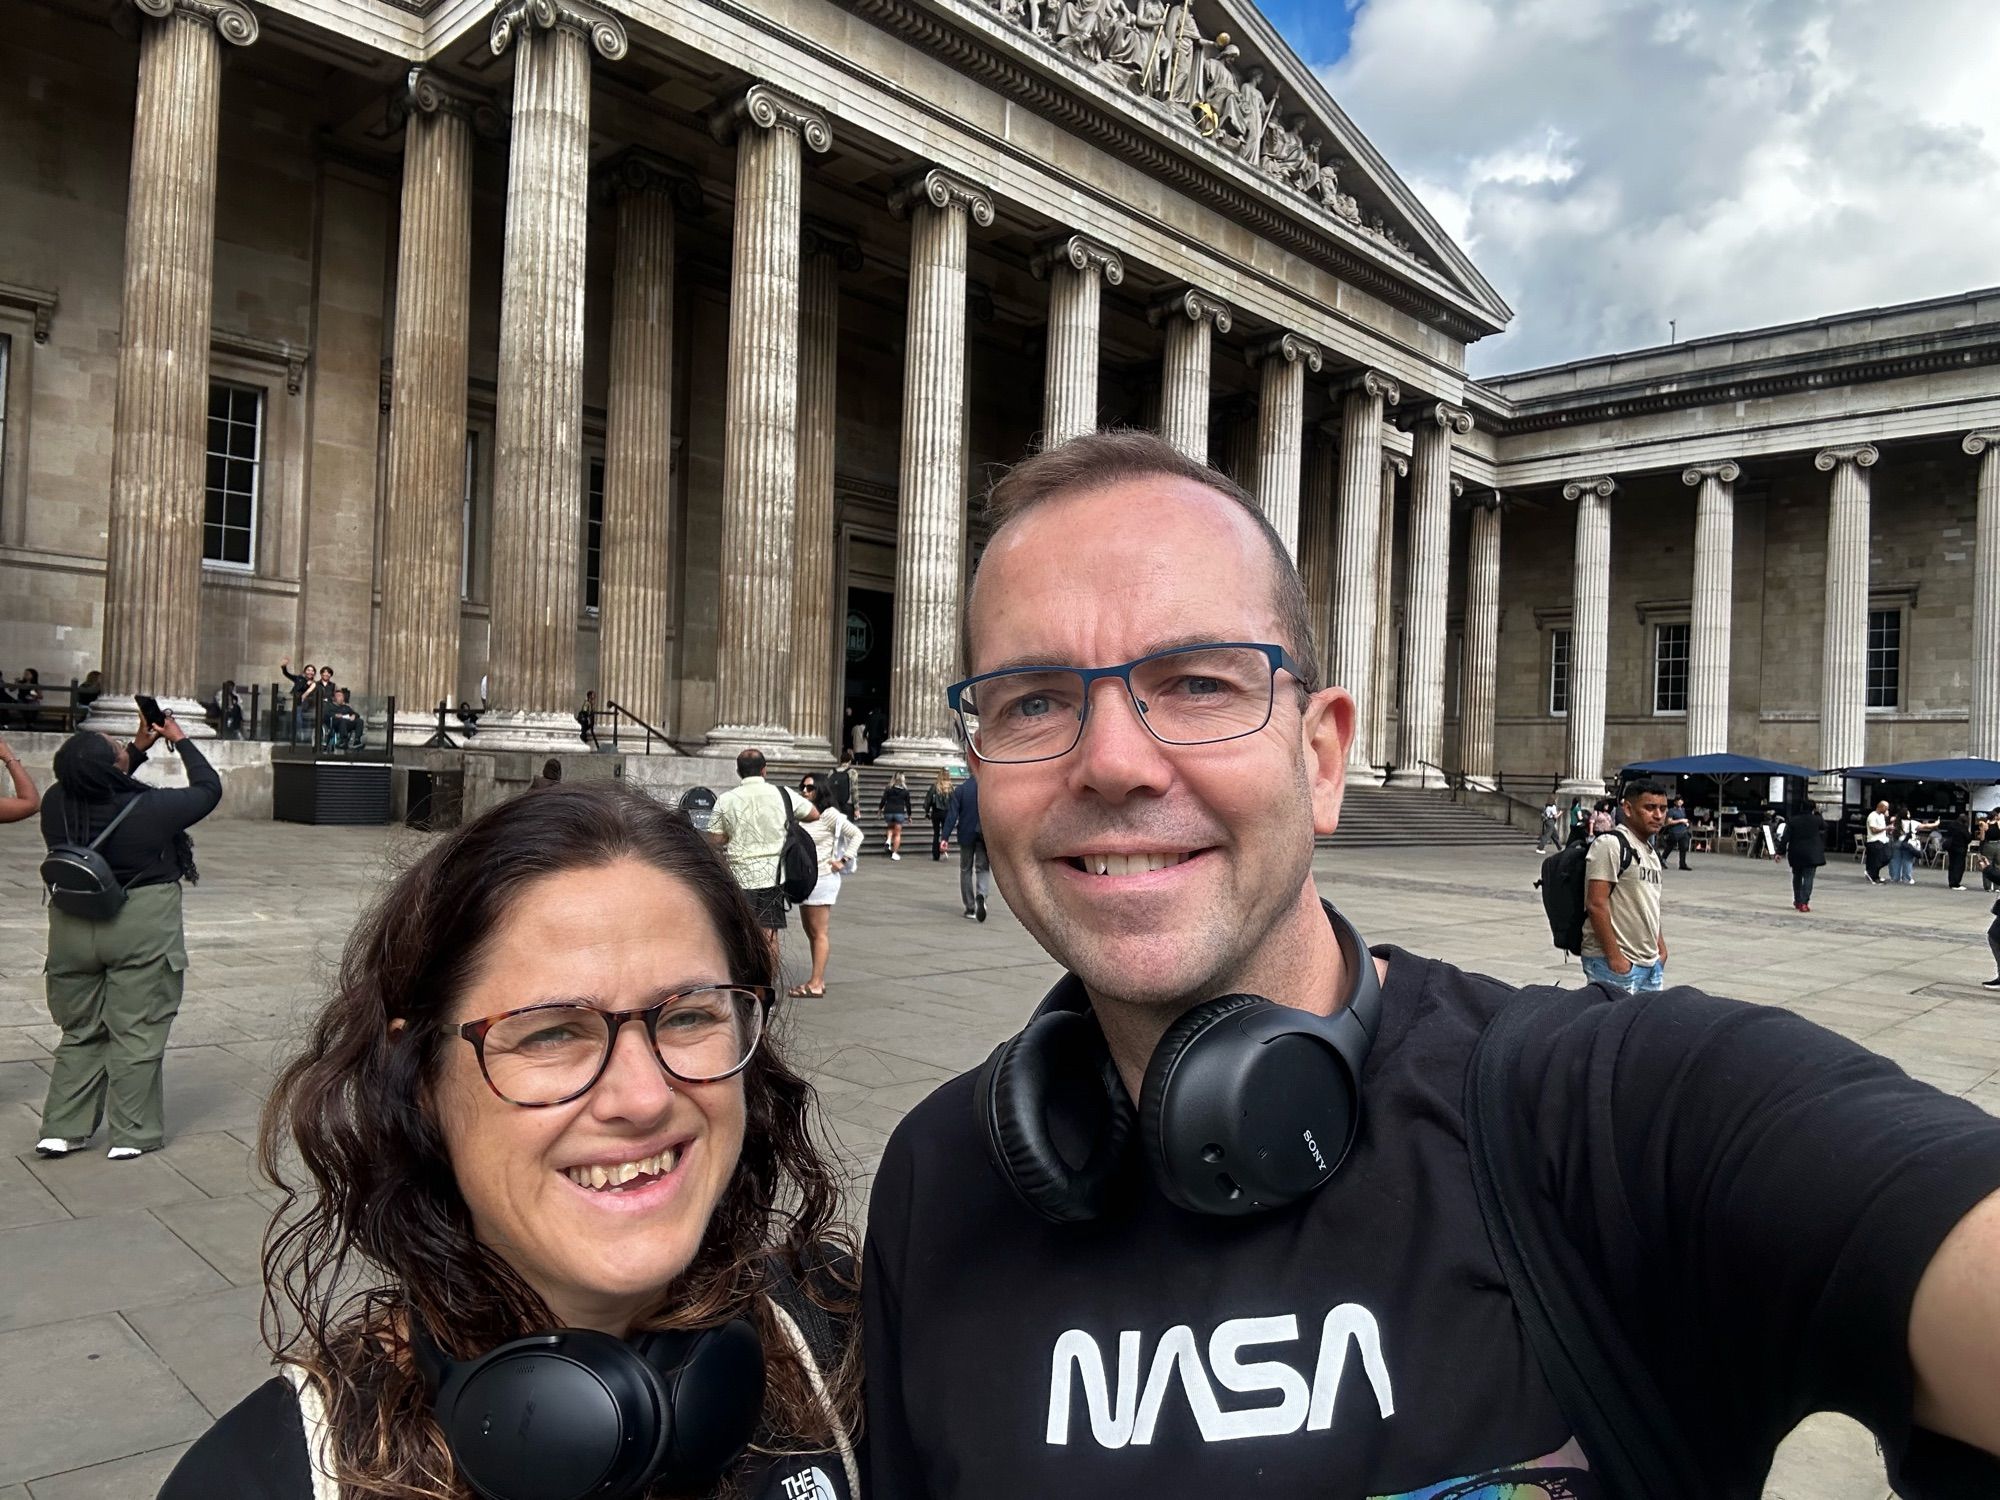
{"x":838,"y":839}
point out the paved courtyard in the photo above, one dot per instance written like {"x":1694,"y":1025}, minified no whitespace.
{"x":129,"y":1292}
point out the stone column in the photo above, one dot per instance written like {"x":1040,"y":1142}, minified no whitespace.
{"x":1077,"y":270}
{"x":1590,"y":622}
{"x":152,"y":566}
{"x":423,"y":509}
{"x":538,"y":468}
{"x":1843,"y":688}
{"x":753,"y":670}
{"x":1316,"y":543}
{"x":1708,"y":628}
{"x":1281,"y":421}
{"x":1367,"y":492}
{"x":816,"y":618}
{"x":1381,"y":749}
{"x":1420,"y":729}
{"x":1187,"y":316}
{"x":931,"y":499}
{"x":632,"y":617}
{"x":1481,"y":665}
{"x":1984,"y":739}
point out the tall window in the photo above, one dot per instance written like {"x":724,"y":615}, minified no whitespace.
{"x":235,"y":457}
{"x":1559,"y":672}
{"x":465,"y":516}
{"x":6,"y":350}
{"x":1670,"y":669}
{"x":1885,"y":658}
{"x":593,"y":537}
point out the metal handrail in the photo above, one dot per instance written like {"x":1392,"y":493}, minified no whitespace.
{"x":622,"y":712}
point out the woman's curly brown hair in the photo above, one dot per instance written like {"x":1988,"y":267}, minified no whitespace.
{"x":380,"y":1230}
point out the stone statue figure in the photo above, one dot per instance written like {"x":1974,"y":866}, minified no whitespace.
{"x":1284,"y":147}
{"x":1306,"y":172}
{"x":1078,"y":26}
{"x":1154,"y":47}
{"x":1130,"y":35}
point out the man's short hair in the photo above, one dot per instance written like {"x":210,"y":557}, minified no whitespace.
{"x":750,"y":763}
{"x":1645,"y":786}
{"x":1098,"y":460}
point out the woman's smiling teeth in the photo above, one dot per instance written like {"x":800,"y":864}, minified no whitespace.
{"x":1125,"y":864}
{"x":603,"y":1178}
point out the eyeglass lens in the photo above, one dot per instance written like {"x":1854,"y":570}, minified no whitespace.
{"x":1192,"y":697}
{"x":553,"y":1052}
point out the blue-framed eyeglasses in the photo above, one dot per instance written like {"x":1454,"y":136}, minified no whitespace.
{"x":1190,"y":695}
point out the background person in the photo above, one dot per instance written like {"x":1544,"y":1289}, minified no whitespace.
{"x":894,"y":806}
{"x":1549,"y":818}
{"x":1624,"y":945}
{"x":961,"y":816}
{"x":345,"y":728}
{"x":114,"y":986}
{"x":1876,"y":851}
{"x":937,"y":798}
{"x":837,"y":840}
{"x":839,"y":786}
{"x":27,"y":798}
{"x":749,"y":825}
{"x":630,"y":1152}
{"x":1805,"y":852}
{"x":1989,"y":853}
{"x":1956,"y":831}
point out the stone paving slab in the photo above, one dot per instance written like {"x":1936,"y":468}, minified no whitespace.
{"x":152,"y":1265}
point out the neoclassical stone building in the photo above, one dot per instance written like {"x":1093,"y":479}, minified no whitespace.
{"x":662,"y":347}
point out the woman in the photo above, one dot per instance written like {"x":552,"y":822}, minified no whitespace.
{"x":1805,"y":852}
{"x":1904,"y":846}
{"x":838,"y":840}
{"x":1956,"y":834}
{"x":488,"y":1149}
{"x":27,"y":798}
{"x":895,"y":809}
{"x":937,"y":798}
{"x":1989,"y":852}
{"x":114,"y":983}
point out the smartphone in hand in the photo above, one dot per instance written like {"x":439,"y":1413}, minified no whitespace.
{"x":150,"y":710}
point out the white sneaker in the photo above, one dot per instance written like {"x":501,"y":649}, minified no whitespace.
{"x":122,"y":1153}
{"x":894,"y":855}
{"x":1990,"y":984}
{"x":55,"y":1145}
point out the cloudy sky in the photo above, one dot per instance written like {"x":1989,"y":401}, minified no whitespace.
{"x":1613,"y":164}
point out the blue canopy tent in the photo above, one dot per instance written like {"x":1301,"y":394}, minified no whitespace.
{"x":1719,"y":767}
{"x":1968,"y":770}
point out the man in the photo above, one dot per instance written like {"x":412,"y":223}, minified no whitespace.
{"x":1880,"y":827}
{"x":1548,"y":824}
{"x":961,"y":816}
{"x":1623,"y":944}
{"x":749,"y":825}
{"x":1774,"y":1219}
{"x":586,"y":720}
{"x":345,"y":728}
{"x":840,"y":785}
{"x":1680,"y":832}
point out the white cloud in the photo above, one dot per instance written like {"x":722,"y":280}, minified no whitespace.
{"x":1612,"y":164}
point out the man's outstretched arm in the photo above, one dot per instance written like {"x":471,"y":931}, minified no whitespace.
{"x":1955,"y":1333}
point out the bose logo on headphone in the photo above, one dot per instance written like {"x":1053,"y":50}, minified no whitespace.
{"x":1313,"y":1146}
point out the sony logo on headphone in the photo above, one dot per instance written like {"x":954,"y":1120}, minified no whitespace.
{"x":1313,"y":1146}
{"x":1129,"y":1413}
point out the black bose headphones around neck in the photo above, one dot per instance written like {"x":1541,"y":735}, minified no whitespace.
{"x":575,"y":1414}
{"x":1247,"y":1105}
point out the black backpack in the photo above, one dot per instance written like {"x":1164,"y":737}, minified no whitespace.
{"x":79,"y":879}
{"x":1562,"y":888}
{"x":798,"y":861}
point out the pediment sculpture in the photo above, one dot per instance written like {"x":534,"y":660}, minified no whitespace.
{"x":1155,"y":48}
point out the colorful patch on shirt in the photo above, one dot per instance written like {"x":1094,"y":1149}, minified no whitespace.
{"x":1562,"y":1475}
{"x":805,"y":1480}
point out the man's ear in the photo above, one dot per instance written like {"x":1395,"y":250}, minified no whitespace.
{"x":1326,"y":730}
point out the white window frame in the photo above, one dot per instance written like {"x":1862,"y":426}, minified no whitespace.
{"x":1660,"y":629}
{"x":262,"y":429}
{"x":1563,"y":636}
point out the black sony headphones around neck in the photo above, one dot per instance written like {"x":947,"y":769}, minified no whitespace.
{"x":574,"y":1414}
{"x":1247,"y":1105}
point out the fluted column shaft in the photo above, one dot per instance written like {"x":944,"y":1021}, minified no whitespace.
{"x":1317,"y":545}
{"x":1367,"y":493}
{"x":1984,"y":739}
{"x":1381,"y":749}
{"x":538,"y":470}
{"x":1590,"y":621}
{"x":1077,"y":269}
{"x":1843,"y":696}
{"x":1709,"y":618}
{"x":1420,"y":730}
{"x":152,"y":573}
{"x":930,"y":553}
{"x":1184,"y":373}
{"x":1281,"y":418}
{"x":815,"y":618}
{"x":423,"y":511}
{"x":753,"y":675}
{"x":1481,"y":664}
{"x":632,"y":616}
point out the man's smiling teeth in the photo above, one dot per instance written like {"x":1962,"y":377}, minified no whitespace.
{"x":1126,"y":864}
{"x":600,"y":1178}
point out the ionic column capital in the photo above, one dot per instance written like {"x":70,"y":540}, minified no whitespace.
{"x":1603,"y":487}
{"x":424,"y":92}
{"x":1454,"y":419}
{"x":1728,"y":471}
{"x":767,"y":109}
{"x":1489,"y":500}
{"x":836,"y":244}
{"x":1861,"y":455}
{"x":946,"y":190}
{"x":1394,"y":465}
{"x":1084,"y":255}
{"x":1290,"y":348}
{"x":1196,"y":307}
{"x":1977,"y":443}
{"x":1375,"y":383}
{"x":234,"y":23}
{"x":637,"y":170}
{"x":604,"y":31}
{"x":1457,"y":487}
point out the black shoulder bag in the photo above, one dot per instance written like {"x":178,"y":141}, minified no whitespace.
{"x":80,"y":880}
{"x":1601,"y":1385}
{"x":798,"y":861}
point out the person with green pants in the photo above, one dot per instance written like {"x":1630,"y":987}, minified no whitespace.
{"x":114,"y":986}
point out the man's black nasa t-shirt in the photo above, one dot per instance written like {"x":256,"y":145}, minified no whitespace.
{"x":1757,"y":1196}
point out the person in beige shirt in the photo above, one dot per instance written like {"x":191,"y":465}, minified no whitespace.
{"x":1624,"y":945}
